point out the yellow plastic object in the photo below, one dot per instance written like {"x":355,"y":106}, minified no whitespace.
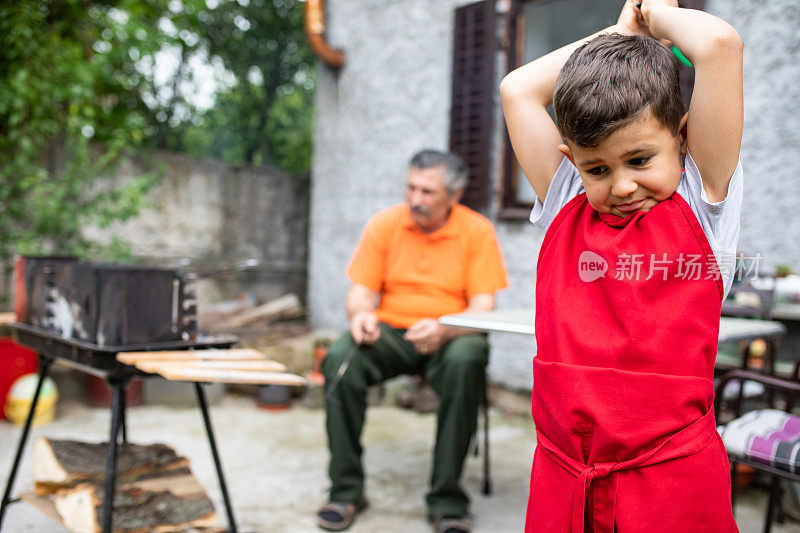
{"x":19,"y":399}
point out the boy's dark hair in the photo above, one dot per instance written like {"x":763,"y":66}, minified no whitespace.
{"x":606,"y":84}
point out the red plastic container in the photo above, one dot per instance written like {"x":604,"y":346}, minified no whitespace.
{"x":15,"y":361}
{"x":99,"y":392}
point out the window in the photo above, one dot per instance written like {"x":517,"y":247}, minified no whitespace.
{"x":472,"y":106}
{"x":536,"y":28}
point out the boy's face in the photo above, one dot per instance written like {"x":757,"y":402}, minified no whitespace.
{"x":635,"y":168}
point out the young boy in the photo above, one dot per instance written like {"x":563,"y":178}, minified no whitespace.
{"x":641,"y":204}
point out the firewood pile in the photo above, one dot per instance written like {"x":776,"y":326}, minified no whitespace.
{"x":235,"y":315}
{"x":155,"y":491}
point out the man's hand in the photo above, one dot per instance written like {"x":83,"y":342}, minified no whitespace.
{"x":426,"y":336}
{"x":361,"y":302}
{"x":364,"y":327}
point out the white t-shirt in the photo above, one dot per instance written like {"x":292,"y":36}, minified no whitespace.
{"x":720,"y":220}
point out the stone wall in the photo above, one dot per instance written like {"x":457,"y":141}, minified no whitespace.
{"x":214,"y":217}
{"x":392,"y":98}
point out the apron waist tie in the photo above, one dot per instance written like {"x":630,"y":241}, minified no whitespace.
{"x":685,"y":442}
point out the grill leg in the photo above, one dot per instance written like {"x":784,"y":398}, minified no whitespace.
{"x":487,"y":478}
{"x":201,"y":399}
{"x":44,"y":366}
{"x":118,"y":390}
{"x":123,"y":405}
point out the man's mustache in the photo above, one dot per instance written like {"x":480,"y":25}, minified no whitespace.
{"x":421,"y":209}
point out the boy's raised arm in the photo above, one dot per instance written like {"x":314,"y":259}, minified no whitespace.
{"x":528,"y":91}
{"x":714,"y":127}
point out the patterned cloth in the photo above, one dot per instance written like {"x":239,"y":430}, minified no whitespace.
{"x":767,"y":436}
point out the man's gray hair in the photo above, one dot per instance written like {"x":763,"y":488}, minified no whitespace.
{"x":456,"y":171}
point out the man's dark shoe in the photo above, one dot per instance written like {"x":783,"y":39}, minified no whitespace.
{"x":338,"y":516}
{"x":452,"y":524}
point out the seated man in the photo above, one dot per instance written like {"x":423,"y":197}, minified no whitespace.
{"x":415,"y":262}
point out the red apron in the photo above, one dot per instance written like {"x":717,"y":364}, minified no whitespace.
{"x":627,"y":319}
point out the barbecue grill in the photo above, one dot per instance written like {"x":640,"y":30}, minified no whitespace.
{"x":109,"y":302}
{"x":105,"y":304}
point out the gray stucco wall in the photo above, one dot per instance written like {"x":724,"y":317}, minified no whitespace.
{"x":393,"y":97}
{"x":771,"y":140}
{"x":390,"y":99}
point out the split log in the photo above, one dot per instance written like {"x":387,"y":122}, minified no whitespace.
{"x":174,"y":502}
{"x":58,"y":464}
{"x":287,"y":306}
{"x":155,"y":490}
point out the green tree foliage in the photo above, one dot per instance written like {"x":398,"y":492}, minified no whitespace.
{"x":65,"y":120}
{"x":80,"y":87}
{"x":264,"y":113}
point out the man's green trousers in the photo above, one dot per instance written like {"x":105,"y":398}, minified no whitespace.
{"x":457,"y":372}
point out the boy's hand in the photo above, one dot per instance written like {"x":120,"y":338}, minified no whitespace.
{"x":630,"y":20}
{"x":643,"y":12}
{"x":646,"y":5}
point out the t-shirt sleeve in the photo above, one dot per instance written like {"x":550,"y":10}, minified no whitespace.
{"x":720,"y":220}
{"x":565,"y":186}
{"x":367,"y":263}
{"x":486,"y":270}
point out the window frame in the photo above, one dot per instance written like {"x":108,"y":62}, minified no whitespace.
{"x":510,"y":208}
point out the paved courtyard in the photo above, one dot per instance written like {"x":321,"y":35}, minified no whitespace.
{"x":275,"y":464}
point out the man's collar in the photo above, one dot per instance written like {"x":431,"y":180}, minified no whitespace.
{"x":447,"y":231}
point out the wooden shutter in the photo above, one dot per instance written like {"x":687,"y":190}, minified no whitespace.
{"x":472,"y":105}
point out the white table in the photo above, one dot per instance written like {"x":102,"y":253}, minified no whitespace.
{"x":522,"y":320}
{"x":786,"y":311}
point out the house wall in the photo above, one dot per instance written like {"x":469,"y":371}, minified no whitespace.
{"x":771,"y":140}
{"x":389,"y":100}
{"x":392,"y":98}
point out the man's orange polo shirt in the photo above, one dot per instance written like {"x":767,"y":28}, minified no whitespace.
{"x":422,"y":275}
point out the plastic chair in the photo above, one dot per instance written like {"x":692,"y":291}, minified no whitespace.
{"x":762,"y":438}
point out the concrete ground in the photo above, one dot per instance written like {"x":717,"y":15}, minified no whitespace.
{"x":275,"y":465}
